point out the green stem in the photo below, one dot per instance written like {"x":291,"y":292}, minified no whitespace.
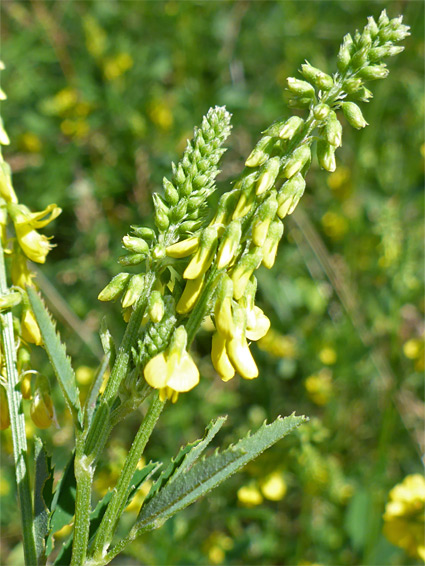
{"x":117,"y":504}
{"x":84,"y":471}
{"x":17,"y":423}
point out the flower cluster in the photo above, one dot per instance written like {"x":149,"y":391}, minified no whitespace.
{"x":209,"y":266}
{"x":404,"y":516}
{"x":21,"y":241}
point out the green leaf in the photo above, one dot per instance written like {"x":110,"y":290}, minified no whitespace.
{"x":186,"y":457}
{"x":43,"y":492}
{"x":63,"y":504}
{"x":208,"y":473}
{"x":57,"y":355}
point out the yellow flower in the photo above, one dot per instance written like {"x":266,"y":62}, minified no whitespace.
{"x":319,"y":387}
{"x":250,"y":496}
{"x":34,"y":245}
{"x":21,"y":275}
{"x":274,"y":487}
{"x":29,"y":328}
{"x":173,"y":371}
{"x":404,"y":516}
{"x":257,"y":324}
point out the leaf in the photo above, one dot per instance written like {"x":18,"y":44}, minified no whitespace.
{"x":186,"y":457}
{"x":57,"y":355}
{"x":63,"y":503}
{"x":208,"y":473}
{"x":139,"y":478}
{"x":43,"y":488}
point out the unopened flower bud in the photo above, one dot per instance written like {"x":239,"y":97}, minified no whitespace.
{"x":242,"y":272}
{"x":291,"y":127}
{"x":241,"y":358}
{"x":29,"y":328}
{"x":223,"y":307}
{"x":183,"y":248}
{"x":271,"y":244}
{"x":326,"y":155}
{"x":344,"y":55}
{"x":4,"y":410}
{"x":354,"y":115}
{"x":383,"y":19}
{"x":115,"y":287}
{"x":260,"y":153}
{"x":170,"y":192}
{"x":359,"y":58}
{"x":179,"y":211}
{"x":161,"y":212}
{"x":179,"y":176}
{"x":131,"y":259}
{"x":190,"y":294}
{"x":373,"y":72}
{"x":143,"y":232}
{"x":156,"y":306}
{"x":134,"y":290}
{"x":320,"y":111}
{"x":352,"y":85}
{"x":135,"y":245}
{"x":10,"y":300}
{"x":372,"y":27}
{"x":268,"y":174}
{"x":202,"y":259}
{"x":363,"y":95}
{"x":317,"y":77}
{"x":300,"y":88}
{"x":220,"y":359}
{"x":290,"y":194}
{"x":297,"y":160}
{"x":229,"y":244}
{"x":26,"y":386}
{"x":247,"y":196}
{"x":333,"y":130}
{"x":6,"y":189}
{"x":266,"y":213}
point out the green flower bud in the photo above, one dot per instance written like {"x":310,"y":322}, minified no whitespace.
{"x":317,"y":77}
{"x":363,"y":95}
{"x":290,"y":194}
{"x":352,"y":85}
{"x":378,"y":53}
{"x":10,"y":300}
{"x":246,"y":195}
{"x":374,"y":72}
{"x":372,"y":27}
{"x":134,"y":290}
{"x":268,"y":174}
{"x":344,"y":55}
{"x":383,"y":19}
{"x":189,"y":226}
{"x":260,"y":153}
{"x":360,"y":57}
{"x":271,"y":244}
{"x":320,"y":111}
{"x":161,"y":212}
{"x":297,"y":161}
{"x":333,"y":130}
{"x":115,"y":287}
{"x":171,"y":193}
{"x":131,"y":259}
{"x":135,"y":245}
{"x":300,"y":88}
{"x":143,"y":232}
{"x":156,"y":306}
{"x":229,"y":244}
{"x":265,"y":214}
{"x":326,"y":155}
{"x":179,"y":211}
{"x":291,"y":127}
{"x":354,"y":115}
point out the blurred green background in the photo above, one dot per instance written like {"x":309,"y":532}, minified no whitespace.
{"x":101,"y":98}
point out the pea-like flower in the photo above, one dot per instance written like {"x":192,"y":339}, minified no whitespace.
{"x":34,"y":245}
{"x":173,"y":371}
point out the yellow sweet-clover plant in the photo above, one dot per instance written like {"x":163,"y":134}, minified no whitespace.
{"x":194,"y":265}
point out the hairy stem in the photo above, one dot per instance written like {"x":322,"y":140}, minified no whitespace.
{"x":17,"y":423}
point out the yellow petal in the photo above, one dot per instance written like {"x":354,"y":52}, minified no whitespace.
{"x":224,"y":318}
{"x":183,"y":248}
{"x":156,"y":372}
{"x":261,"y":327}
{"x":241,"y":357}
{"x":190,"y":295}
{"x":29,"y":328}
{"x":220,"y":359}
{"x":185,"y":374}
